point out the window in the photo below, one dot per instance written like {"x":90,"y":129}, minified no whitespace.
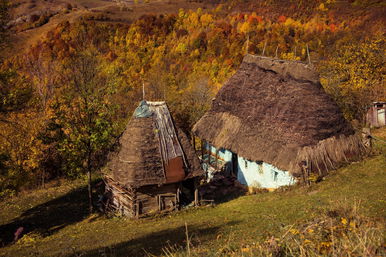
{"x":260,"y":167}
{"x":246,"y":163}
{"x":275,"y":173}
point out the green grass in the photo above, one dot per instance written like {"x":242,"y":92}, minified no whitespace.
{"x":59,"y":226}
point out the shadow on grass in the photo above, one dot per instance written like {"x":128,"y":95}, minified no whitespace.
{"x":47,"y":218}
{"x":154,"y":243}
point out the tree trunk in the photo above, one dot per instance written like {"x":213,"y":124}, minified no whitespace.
{"x":89,"y":182}
{"x":89,"y":191}
{"x":43,"y":178}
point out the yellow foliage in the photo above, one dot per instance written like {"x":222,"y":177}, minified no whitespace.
{"x":290,"y":56}
{"x":245,"y":28}
{"x":206,"y":19}
{"x":289,"y":22}
{"x":322,"y":7}
{"x":181,"y":48}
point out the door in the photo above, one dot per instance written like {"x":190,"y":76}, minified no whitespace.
{"x":381,"y":117}
{"x":235,"y":165}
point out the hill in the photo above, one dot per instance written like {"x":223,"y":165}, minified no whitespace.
{"x":31,"y":20}
{"x":350,"y":202}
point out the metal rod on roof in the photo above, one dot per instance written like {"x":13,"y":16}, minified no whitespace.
{"x":247,"y":44}
{"x":308,"y":54}
{"x":265,"y":44}
{"x":277,"y":48}
{"x":143,"y":90}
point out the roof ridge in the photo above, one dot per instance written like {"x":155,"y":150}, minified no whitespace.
{"x":295,"y":69}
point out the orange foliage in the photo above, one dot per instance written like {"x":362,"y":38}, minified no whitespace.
{"x":282,"y":19}
{"x":332,"y":27}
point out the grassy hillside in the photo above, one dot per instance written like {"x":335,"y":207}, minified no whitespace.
{"x":59,"y":226}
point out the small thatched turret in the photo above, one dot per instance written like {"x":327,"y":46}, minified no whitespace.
{"x":276,"y":112}
{"x":154,"y":158}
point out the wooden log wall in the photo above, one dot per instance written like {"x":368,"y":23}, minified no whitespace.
{"x":141,"y":201}
{"x":120,"y":199}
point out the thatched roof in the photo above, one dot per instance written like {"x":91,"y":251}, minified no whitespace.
{"x":276,"y":111}
{"x":150,"y":142}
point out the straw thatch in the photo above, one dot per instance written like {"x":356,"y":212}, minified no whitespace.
{"x":147,"y":146}
{"x":276,"y":111}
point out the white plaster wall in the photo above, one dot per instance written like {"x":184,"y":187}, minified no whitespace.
{"x":253,"y":174}
{"x":262,"y":175}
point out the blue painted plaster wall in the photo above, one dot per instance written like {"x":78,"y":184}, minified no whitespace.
{"x":255,"y":174}
{"x":224,"y":154}
{"x":262,"y":174}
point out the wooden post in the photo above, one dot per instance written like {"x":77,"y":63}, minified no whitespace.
{"x":178,"y":197}
{"x":196,"y":197}
{"x":366,"y":135}
{"x":136,"y":209}
{"x":202,"y":149}
{"x":216,"y":159}
{"x":196,"y":200}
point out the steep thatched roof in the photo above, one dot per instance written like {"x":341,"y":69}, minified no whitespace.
{"x":276,"y":111}
{"x":148,"y":144}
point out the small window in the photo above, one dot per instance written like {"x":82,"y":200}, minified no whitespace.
{"x":275,"y":173}
{"x":246,"y":164}
{"x":260,"y":167}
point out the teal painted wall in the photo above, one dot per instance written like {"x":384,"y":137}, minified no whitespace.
{"x":256,"y":174}
{"x":262,"y":175}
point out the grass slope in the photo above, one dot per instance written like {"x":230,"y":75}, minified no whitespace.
{"x":58,"y":225}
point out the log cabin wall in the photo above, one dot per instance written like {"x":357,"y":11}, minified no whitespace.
{"x":120,"y":200}
{"x":141,"y":201}
{"x":152,"y":199}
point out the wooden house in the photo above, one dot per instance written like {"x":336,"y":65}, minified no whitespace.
{"x":272,"y":124}
{"x":376,"y":114}
{"x":155,"y":168}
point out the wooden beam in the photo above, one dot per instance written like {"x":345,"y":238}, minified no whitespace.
{"x":196,"y":200}
{"x":137,"y":209}
{"x":194,"y":142}
{"x":202,"y":149}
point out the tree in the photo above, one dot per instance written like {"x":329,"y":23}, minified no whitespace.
{"x":82,"y":116}
{"x":42,"y":70}
{"x":355,"y":77}
{"x":4,"y":17}
{"x":15,"y":97}
{"x":15,"y":92}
